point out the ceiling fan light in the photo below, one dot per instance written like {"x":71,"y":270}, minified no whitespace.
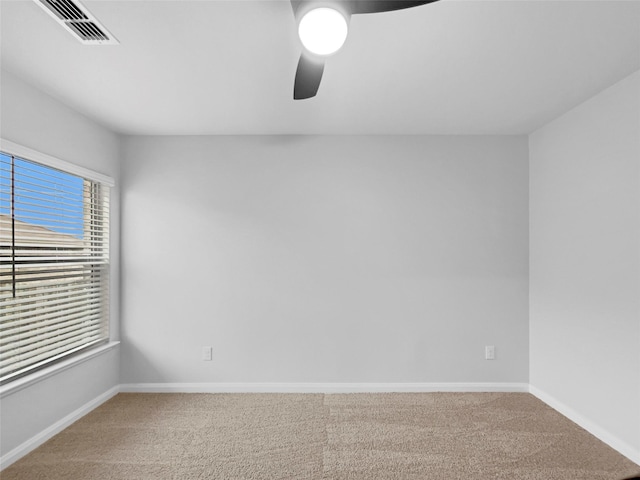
{"x":323,"y":31}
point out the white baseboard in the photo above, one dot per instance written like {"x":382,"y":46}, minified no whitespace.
{"x":321,"y":387}
{"x":591,"y":427}
{"x":57,"y":427}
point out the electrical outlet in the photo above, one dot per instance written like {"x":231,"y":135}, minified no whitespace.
{"x":489,"y":352}
{"x":207,"y":354}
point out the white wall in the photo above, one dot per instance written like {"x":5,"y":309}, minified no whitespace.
{"x":35,"y":120}
{"x":585,"y":262}
{"x":325,"y":259}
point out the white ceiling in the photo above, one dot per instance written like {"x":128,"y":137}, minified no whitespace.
{"x":227,"y":67}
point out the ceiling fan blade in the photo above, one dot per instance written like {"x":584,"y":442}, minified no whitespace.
{"x":295,"y":4}
{"x":308,"y":76}
{"x":377,"y":6}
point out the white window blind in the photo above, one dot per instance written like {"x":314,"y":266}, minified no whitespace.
{"x":54,"y":265}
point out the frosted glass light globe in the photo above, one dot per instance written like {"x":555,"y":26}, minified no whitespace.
{"x":323,"y":31}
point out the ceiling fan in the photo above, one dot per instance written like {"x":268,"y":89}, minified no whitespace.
{"x":322,"y":27}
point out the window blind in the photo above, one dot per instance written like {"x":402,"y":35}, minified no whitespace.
{"x":54,"y":265}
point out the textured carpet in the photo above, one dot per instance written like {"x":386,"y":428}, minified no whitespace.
{"x":395,"y":436}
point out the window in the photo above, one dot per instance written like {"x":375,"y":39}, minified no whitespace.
{"x":54,"y":264}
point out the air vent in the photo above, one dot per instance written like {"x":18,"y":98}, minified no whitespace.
{"x":88,"y":31}
{"x":76,"y":19}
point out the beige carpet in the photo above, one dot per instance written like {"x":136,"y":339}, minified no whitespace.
{"x":402,"y":436}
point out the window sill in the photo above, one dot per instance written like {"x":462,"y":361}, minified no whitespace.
{"x":40,"y":375}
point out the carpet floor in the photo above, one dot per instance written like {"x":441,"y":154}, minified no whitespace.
{"x":394,"y":436}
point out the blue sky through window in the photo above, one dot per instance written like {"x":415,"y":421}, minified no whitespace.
{"x":43,"y":196}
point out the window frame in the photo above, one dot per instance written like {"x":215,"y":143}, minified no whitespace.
{"x":14,"y":149}
{"x":9,"y":385}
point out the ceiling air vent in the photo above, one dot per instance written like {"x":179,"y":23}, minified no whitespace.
{"x":77,"y":20}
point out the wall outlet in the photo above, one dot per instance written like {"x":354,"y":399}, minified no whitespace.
{"x":489,"y":352}
{"x":207,"y":354}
